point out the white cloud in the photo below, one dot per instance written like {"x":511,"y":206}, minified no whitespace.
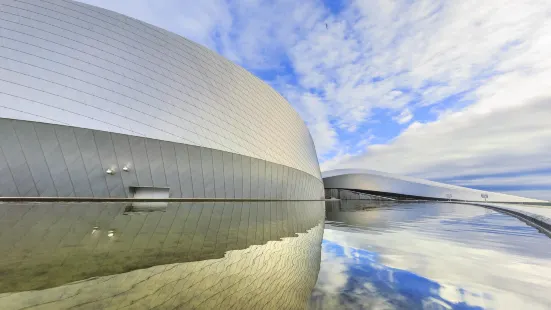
{"x":401,"y":55}
{"x":248,"y":32}
{"x":471,"y":142}
{"x":404,"y":117}
{"x":496,"y":52}
{"x":331,"y":163}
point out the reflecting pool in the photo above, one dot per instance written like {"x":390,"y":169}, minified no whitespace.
{"x":430,"y":256}
{"x":270,"y":255}
{"x":223,"y":255}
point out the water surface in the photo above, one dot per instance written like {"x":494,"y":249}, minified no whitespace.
{"x":430,"y":256}
{"x":223,"y":255}
{"x":266,"y":255}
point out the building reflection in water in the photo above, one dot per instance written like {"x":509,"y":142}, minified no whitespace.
{"x":194,"y":255}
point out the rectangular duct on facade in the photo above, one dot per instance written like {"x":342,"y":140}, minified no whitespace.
{"x":149,"y":192}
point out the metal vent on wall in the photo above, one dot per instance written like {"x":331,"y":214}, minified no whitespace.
{"x":148,"y":192}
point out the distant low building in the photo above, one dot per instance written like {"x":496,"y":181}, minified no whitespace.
{"x":379,"y":184}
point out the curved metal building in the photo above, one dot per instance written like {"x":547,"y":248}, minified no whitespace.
{"x":94,"y":103}
{"x":390,"y":185}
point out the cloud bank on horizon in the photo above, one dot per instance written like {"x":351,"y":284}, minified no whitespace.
{"x":452,"y":91}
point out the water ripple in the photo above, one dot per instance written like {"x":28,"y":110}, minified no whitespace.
{"x":430,"y":256}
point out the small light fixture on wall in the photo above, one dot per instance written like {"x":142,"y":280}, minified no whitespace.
{"x":110,"y":171}
{"x":125,"y":168}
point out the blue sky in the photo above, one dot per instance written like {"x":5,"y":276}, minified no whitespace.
{"x":370,"y":282}
{"x":453,"y":91}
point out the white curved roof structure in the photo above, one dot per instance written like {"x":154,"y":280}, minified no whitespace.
{"x":380,"y":182}
{"x":68,"y":63}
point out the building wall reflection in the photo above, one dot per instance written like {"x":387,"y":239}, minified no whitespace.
{"x":205,"y":255}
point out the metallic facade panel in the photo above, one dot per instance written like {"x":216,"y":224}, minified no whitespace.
{"x":184,"y":170}
{"x":290,"y":184}
{"x":298,"y":186}
{"x":284,"y":184}
{"x":74,"y":161}
{"x":156,"y":163}
{"x":208,"y":172}
{"x":246,"y":168}
{"x":195,"y":164}
{"x":7,"y":182}
{"x":261,"y":178}
{"x":281,"y":183}
{"x":108,"y":160}
{"x":276,"y":177}
{"x":302,"y":185}
{"x":227,"y":159}
{"x":254,"y":177}
{"x":218,"y":173}
{"x":276,"y":181}
{"x":268,"y":180}
{"x":121,"y":144}
{"x":68,"y":63}
{"x":15,"y":160}
{"x":237,"y":176}
{"x":141,"y":160}
{"x":374,"y":181}
{"x":55,"y":160}
{"x":171,"y":169}
{"x":33,"y":155}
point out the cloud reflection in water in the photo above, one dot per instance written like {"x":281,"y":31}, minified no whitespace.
{"x":430,"y":256}
{"x":369,"y":284}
